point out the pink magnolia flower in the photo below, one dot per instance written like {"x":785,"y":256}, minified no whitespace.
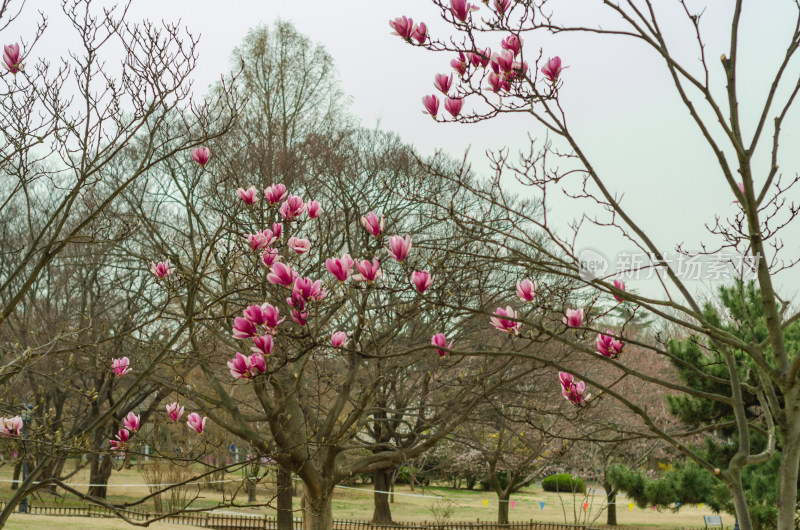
{"x":399,"y":247}
{"x":243,"y":328}
{"x":255,"y":314}
{"x":552,"y":69}
{"x":402,"y":26}
{"x":269,"y":257}
{"x":300,"y":317}
{"x":443,"y":83}
{"x":264,"y":344}
{"x":518,"y":70}
{"x":249,"y":196}
{"x":261,"y":240}
{"x":161,"y":270}
{"x":174,"y":411}
{"x":292,"y":207}
{"x":572,"y":391}
{"x":120,"y":366}
{"x":420,"y":33}
{"x":240,"y":366}
{"x":502,"y":6}
{"x":277,"y":228}
{"x":461,"y":9}
{"x":258,"y":364}
{"x":460,"y":64}
{"x":498,"y":83}
{"x":485,"y":57}
{"x":275,"y":193}
{"x":621,"y":286}
{"x":313,"y":209}
{"x":574,"y":318}
{"x":453,"y":106}
{"x":369,"y":271}
{"x":271,"y":317}
{"x":512,"y":43}
{"x":11,"y":427}
{"x":121,"y":437}
{"x":301,"y":246}
{"x":309,"y":290}
{"x":526,"y":290}
{"x":431,"y":104}
{"x":421,"y":280}
{"x":340,"y":267}
{"x":505,"y":60}
{"x":281,"y":274}
{"x":372,"y":223}
{"x":339,"y":339}
{"x":200,"y":155}
{"x":501,"y":322}
{"x":11,"y":57}
{"x":440,"y":341}
{"x":194,"y":421}
{"x":608,"y":346}
{"x":132,"y":422}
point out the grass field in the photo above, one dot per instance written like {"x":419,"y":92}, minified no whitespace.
{"x":408,"y":505}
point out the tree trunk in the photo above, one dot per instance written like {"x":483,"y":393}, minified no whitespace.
{"x":15,"y":478}
{"x":317,"y":511}
{"x":787,"y":492}
{"x":99,"y":473}
{"x":381,"y":479}
{"x":611,"y":501}
{"x":285,"y":488}
{"x":251,"y":489}
{"x":739,"y":500}
{"x":502,"y":508}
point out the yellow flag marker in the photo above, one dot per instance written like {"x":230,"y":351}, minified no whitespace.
{"x":701,"y":504}
{"x":630,"y":506}
{"x":485,"y":503}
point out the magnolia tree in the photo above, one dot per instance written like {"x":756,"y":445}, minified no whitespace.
{"x":489,"y":71}
{"x":507,"y":453}
{"x":315,"y":329}
{"x":65,"y":125}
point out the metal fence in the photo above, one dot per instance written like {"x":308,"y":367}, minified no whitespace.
{"x":221,"y":521}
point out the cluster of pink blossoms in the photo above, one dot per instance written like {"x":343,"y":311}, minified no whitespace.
{"x":571,"y":390}
{"x":132,"y":421}
{"x":130,"y":424}
{"x":258,"y":322}
{"x":291,"y":208}
{"x":507,"y":66}
{"x":369,"y":271}
{"x":506,"y":320}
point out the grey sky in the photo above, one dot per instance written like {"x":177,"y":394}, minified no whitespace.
{"x":618,"y":98}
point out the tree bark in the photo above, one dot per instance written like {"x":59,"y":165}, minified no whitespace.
{"x":787,"y":492}
{"x":251,"y":489}
{"x":15,"y":477}
{"x":502,"y":508}
{"x":739,"y":500}
{"x":285,"y":489}
{"x":317,"y":510}
{"x":611,"y":503}
{"x":382,"y":482}
{"x":99,"y":473}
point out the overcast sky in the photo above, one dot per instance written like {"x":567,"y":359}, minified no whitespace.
{"x":617,"y":95}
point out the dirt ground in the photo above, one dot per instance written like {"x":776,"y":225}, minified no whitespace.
{"x":356,"y":504}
